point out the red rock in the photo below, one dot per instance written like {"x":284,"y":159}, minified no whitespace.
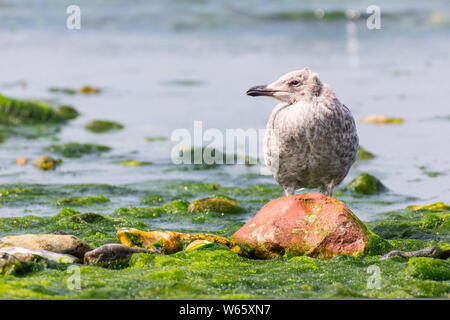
{"x":310,"y":224}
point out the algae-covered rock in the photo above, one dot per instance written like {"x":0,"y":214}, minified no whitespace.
{"x":366,"y":184}
{"x":215,"y":204}
{"x":28,"y":255}
{"x":15,"y":191}
{"x":153,"y":139}
{"x":77,"y":150}
{"x":363,"y":154}
{"x":46,"y":163}
{"x":158,"y":241}
{"x":134,"y":163}
{"x":89,"y":90}
{"x":428,"y":222}
{"x":308,"y":224}
{"x":65,"y":244}
{"x":87,"y":217}
{"x":83,"y":90}
{"x":68,"y":112}
{"x":62,"y":90}
{"x":111,"y":254}
{"x":101,"y":126}
{"x":428,"y":269}
{"x":10,"y":265}
{"x":438,"y":206}
{"x":436,"y":221}
{"x":81,"y":201}
{"x":382,"y":119}
{"x":21,"y":161}
{"x":429,"y":252}
{"x":201,"y":158}
{"x":178,"y":206}
{"x":139,"y":212}
{"x":17,"y":112}
{"x":198,"y":244}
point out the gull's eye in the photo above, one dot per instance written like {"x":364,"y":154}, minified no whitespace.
{"x":294,"y":83}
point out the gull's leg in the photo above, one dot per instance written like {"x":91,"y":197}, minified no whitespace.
{"x":329,"y":189}
{"x":289,"y":190}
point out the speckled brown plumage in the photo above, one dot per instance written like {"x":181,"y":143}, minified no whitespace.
{"x":311,"y":139}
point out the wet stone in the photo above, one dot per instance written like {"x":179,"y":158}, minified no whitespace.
{"x":9,"y":265}
{"x":46,"y":163}
{"x":215,"y":204}
{"x":308,"y":224}
{"x":65,"y":244}
{"x":113,"y":253}
{"x":27,"y":255}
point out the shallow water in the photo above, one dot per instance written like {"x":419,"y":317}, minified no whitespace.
{"x":162,"y":65}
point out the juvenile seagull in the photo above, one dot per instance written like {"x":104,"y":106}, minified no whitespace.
{"x":311,"y":139}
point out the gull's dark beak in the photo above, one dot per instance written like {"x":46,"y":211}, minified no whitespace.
{"x":260,"y":91}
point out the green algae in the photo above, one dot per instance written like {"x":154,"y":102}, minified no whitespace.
{"x":428,"y":269}
{"x":81,"y":201}
{"x":9,"y":265}
{"x":377,"y":245}
{"x":152,"y":199}
{"x":215,"y":272}
{"x":178,"y":206}
{"x":157,"y":138}
{"x":102,"y":126}
{"x":68,"y":112}
{"x":429,"y":173}
{"x":14,"y":112}
{"x":13,"y":192}
{"x":68,"y":91}
{"x":438,"y":206}
{"x":139,"y":212}
{"x":363,"y":154}
{"x":46,"y":163}
{"x":87,"y":217}
{"x":215,"y":204}
{"x":366,"y":184}
{"x":430,"y":222}
{"x":184,"y":82}
{"x":211,"y":271}
{"x":77,"y":150}
{"x":134,"y":163}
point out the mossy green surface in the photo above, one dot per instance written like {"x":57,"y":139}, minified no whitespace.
{"x":101,"y":126}
{"x":81,"y":201}
{"x":134,"y":163}
{"x":429,"y":222}
{"x":216,"y":272}
{"x":14,"y":112}
{"x":366,"y":184}
{"x":153,"y":139}
{"x":77,"y":150}
{"x":363,"y":154}
{"x":68,"y":112}
{"x":215,"y":204}
{"x":211,"y":271}
{"x":428,"y":269}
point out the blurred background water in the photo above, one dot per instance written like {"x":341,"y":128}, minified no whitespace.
{"x":162,"y":65}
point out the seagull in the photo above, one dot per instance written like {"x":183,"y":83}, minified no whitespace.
{"x":311,"y":139}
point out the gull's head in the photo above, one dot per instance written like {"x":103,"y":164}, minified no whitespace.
{"x":291,"y":87}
